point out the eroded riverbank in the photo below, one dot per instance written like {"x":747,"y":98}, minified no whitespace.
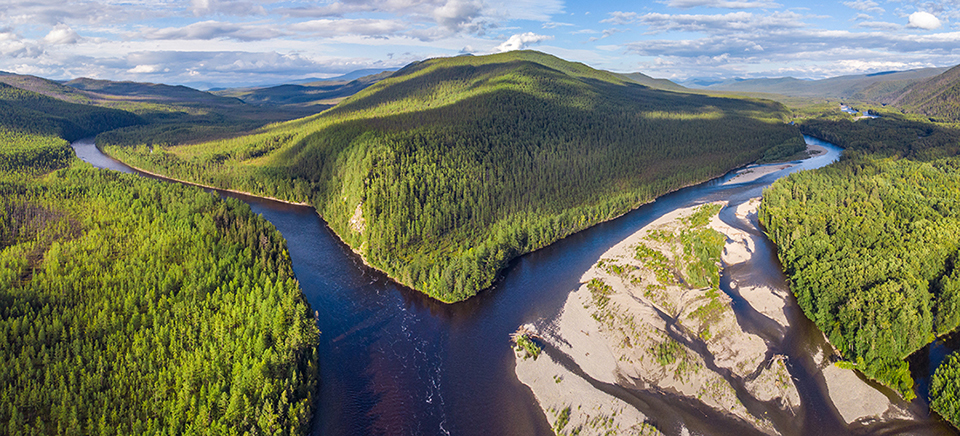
{"x":753,"y":360}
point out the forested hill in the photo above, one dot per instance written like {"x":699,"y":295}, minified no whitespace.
{"x":937,"y":97}
{"x":322,"y":94}
{"x":30,"y":112}
{"x":443,"y":172}
{"x":153,"y":92}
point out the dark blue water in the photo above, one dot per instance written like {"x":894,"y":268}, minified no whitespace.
{"x":395,"y":362}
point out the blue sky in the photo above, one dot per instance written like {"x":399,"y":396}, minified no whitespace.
{"x":207,"y":43}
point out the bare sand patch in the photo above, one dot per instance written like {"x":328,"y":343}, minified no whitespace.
{"x":638,"y":320}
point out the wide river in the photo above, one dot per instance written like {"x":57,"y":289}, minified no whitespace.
{"x":395,"y":362}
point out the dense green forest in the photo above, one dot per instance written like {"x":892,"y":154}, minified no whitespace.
{"x":937,"y":97}
{"x":442,"y":173}
{"x":30,"y":112}
{"x":945,"y":388}
{"x":870,"y":243}
{"x":893,"y":134}
{"x":132,"y":306}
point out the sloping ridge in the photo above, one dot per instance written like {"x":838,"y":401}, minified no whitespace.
{"x":646,"y":80}
{"x":316,"y":93}
{"x":442,"y":173}
{"x":481,"y":159}
{"x":937,"y":97}
{"x":31,"y":112}
{"x":151,"y":92}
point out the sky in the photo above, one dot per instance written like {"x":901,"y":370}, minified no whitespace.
{"x":221,"y":43}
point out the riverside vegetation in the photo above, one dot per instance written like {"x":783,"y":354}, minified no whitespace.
{"x":871,"y":244}
{"x":132,"y":306}
{"x":442,"y":173}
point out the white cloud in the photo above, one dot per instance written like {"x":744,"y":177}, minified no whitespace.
{"x":722,"y":4}
{"x":346,"y":26}
{"x":145,"y":69}
{"x":924,"y":20}
{"x":521,"y":41}
{"x":8,"y":34}
{"x":448,"y":17}
{"x":229,"y":7}
{"x":715,"y":24}
{"x":621,"y":18}
{"x":864,"y":6}
{"x":61,"y":34}
{"x":459,"y":15}
{"x":606,"y":33}
{"x":879,"y":25}
{"x":207,"y":30}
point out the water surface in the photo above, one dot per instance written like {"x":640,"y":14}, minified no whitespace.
{"x":395,"y":362}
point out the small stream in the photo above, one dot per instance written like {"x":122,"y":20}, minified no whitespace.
{"x":395,"y":362}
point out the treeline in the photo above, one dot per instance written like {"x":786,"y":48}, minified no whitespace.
{"x":444,"y":172}
{"x":131,"y":306}
{"x":892,"y":134}
{"x":945,"y":389}
{"x":869,"y":246}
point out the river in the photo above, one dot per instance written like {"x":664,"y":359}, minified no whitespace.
{"x":395,"y":362}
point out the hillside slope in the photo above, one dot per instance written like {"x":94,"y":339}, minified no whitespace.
{"x":167,"y":114}
{"x":937,"y":97}
{"x":152,"y":92}
{"x":450,"y":168}
{"x":34,"y":113}
{"x":646,"y":80}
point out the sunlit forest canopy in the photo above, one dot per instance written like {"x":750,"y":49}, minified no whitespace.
{"x":443,"y":172}
{"x":132,"y":306}
{"x":870,"y":244}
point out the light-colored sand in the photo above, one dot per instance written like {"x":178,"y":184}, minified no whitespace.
{"x":855,"y":399}
{"x":814,"y":149}
{"x":591,"y":411}
{"x":619,"y":338}
{"x":768,"y":300}
{"x":773,"y":384}
{"x":754,"y":172}
{"x":625,"y":335}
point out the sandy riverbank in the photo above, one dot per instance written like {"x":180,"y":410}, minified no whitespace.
{"x":666,"y":336}
{"x":754,"y":172}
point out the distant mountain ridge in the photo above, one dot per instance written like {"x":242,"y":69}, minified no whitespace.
{"x":877,"y":87}
{"x":150,"y":92}
{"x":353,"y":75}
{"x":320,"y":94}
